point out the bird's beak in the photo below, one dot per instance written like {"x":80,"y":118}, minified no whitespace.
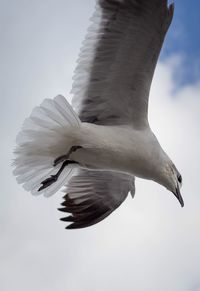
{"x":178,"y":196}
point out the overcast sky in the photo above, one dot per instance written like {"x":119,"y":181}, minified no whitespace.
{"x":148,"y":244}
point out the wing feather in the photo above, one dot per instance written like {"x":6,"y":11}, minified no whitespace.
{"x":116,"y":64}
{"x":93,"y":195}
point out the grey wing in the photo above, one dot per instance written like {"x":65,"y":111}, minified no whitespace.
{"x":111,"y":86}
{"x":117,"y":61}
{"x":93,"y":195}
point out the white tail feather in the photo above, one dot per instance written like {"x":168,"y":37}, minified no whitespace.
{"x":44,"y":137}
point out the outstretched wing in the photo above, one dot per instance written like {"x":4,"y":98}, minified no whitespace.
{"x":111,"y":86}
{"x":93,"y":195}
{"x":117,"y":61}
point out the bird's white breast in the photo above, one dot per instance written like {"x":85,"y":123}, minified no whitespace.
{"x":119,"y":148}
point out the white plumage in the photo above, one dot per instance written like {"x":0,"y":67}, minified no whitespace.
{"x":44,"y":135}
{"x":107,"y":140}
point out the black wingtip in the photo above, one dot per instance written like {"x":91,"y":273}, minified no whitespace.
{"x":77,"y":225}
{"x":70,"y":226}
{"x":40,"y":189}
{"x":65,"y":196}
{"x":68,"y":219}
{"x":63,"y":203}
{"x":171,"y":9}
{"x":62,"y":209}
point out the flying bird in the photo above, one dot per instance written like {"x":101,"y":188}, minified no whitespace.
{"x":97,"y":147}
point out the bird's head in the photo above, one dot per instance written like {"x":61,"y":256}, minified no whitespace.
{"x":172,"y":180}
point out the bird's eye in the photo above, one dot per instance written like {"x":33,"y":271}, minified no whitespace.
{"x":180,"y":179}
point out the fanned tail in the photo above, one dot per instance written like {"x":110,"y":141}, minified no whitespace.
{"x":45,"y":135}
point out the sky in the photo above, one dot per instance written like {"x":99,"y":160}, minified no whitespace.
{"x":184,"y":39}
{"x":150,"y":242}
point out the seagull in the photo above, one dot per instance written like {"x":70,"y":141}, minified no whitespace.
{"x":98,"y":145}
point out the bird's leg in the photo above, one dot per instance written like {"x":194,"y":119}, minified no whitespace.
{"x":60,"y":159}
{"x":53,"y":178}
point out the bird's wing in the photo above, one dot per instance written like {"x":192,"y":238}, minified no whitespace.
{"x":116,"y":64}
{"x":93,"y":195}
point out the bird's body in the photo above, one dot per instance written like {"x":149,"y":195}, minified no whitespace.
{"x":119,"y":148}
{"x":107,"y":140}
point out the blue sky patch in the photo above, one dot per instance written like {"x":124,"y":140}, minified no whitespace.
{"x":184,"y":39}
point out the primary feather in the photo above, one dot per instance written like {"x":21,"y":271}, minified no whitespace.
{"x":92,"y":196}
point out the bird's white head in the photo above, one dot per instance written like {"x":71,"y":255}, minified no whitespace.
{"x":172,"y":180}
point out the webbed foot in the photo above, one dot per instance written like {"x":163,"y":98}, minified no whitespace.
{"x":47,"y":182}
{"x":53,"y":178}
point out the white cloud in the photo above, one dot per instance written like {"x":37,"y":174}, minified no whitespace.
{"x":149,"y":243}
